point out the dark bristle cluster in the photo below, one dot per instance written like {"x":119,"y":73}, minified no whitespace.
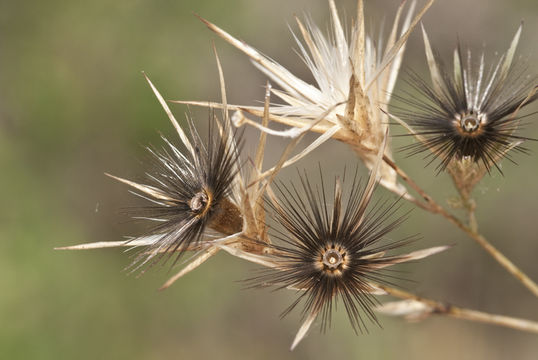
{"x":193,"y":193}
{"x":330,"y":252}
{"x":471,"y":112}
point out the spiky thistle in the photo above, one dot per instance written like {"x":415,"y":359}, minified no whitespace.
{"x":472,"y":112}
{"x":334,"y":252}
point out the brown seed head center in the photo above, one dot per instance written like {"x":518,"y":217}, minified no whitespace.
{"x":200,"y":203}
{"x":471,"y":123}
{"x":333,"y":259}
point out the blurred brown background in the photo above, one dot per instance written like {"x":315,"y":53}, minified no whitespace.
{"x":73,"y":104}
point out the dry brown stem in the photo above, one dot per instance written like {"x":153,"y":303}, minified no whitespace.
{"x":471,"y":230}
{"x":440,"y":308}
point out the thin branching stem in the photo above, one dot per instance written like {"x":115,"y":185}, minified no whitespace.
{"x":467,"y":202}
{"x":470,"y":206}
{"x":432,"y":206}
{"x":441,"y":308}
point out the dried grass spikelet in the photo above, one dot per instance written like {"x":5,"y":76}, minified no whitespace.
{"x":468,"y":118}
{"x":356,"y":76}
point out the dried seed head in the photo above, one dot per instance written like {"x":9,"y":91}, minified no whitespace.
{"x":354,"y":74}
{"x":189,"y":193}
{"x":470,"y":113}
{"x":332,"y":252}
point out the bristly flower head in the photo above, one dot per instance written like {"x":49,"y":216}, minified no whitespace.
{"x":471,"y":113}
{"x":189,"y":193}
{"x":334,"y":252}
{"x":354,"y":77}
{"x":196,"y":198}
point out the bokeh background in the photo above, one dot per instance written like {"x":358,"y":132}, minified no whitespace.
{"x":73,"y":104}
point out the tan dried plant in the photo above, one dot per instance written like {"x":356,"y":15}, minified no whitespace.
{"x":330,"y":247}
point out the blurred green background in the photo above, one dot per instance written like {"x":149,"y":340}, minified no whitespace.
{"x":73,"y":104}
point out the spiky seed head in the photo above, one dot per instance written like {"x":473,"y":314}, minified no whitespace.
{"x":332,"y":252}
{"x":189,"y":193}
{"x":468,"y":117}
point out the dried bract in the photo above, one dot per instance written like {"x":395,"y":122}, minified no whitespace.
{"x":355,"y":76}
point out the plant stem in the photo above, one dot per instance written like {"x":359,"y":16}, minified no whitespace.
{"x":471,"y":231}
{"x":465,"y":314}
{"x":470,"y":205}
{"x":436,"y":307}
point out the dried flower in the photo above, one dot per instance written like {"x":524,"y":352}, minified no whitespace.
{"x":471,"y":115}
{"x":193,"y":195}
{"x":354,"y":77}
{"x":334,"y":252}
{"x":189,"y":193}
